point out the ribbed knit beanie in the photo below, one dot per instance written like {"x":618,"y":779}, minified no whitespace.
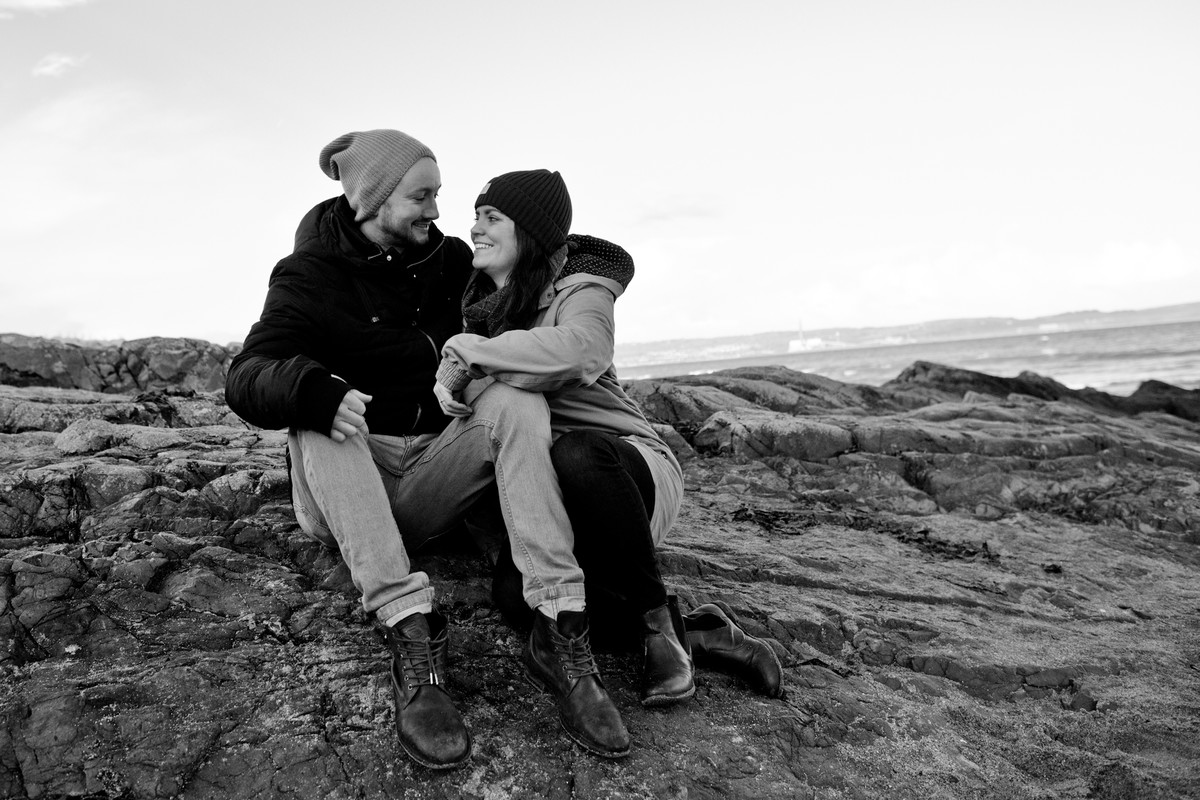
{"x":536,"y":200}
{"x":370,"y":164}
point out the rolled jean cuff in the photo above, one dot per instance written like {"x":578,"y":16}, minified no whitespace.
{"x":422,"y":600}
{"x":564,"y":597}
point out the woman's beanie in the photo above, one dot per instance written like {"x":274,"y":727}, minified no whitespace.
{"x":536,"y":200}
{"x":370,"y":164}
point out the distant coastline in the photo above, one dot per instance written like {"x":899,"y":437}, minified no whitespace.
{"x":1113,"y":353}
{"x":679,"y":352}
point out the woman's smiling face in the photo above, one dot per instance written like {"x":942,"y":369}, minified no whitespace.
{"x":495,"y":238}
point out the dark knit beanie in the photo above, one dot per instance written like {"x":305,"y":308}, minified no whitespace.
{"x":536,"y":200}
{"x":370,"y":164}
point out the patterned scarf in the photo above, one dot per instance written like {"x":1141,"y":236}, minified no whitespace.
{"x":483,"y":305}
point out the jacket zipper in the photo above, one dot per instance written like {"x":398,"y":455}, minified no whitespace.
{"x":366,"y":300}
{"x":437,"y":356}
{"x":375,"y":318}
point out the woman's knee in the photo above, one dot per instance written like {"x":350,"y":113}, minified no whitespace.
{"x":576,"y":454}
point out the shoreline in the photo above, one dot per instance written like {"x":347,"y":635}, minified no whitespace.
{"x":1115,"y":360}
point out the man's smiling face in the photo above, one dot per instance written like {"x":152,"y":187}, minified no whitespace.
{"x":403,"y":219}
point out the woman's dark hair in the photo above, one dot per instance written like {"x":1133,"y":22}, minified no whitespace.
{"x":529,"y":276}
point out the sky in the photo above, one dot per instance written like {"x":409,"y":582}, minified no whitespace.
{"x":770,"y":165}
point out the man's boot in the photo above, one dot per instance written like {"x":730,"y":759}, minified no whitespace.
{"x":668,"y":676}
{"x":717,"y":641}
{"x":430,"y":728}
{"x":559,"y":660}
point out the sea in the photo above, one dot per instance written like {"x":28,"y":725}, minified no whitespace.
{"x":1113,"y":360}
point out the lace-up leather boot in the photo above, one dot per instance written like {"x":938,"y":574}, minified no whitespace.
{"x":559,"y":660}
{"x":668,"y":676}
{"x":717,"y":641}
{"x":430,"y":728}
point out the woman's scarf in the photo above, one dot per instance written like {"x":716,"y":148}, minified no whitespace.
{"x":483,"y":306}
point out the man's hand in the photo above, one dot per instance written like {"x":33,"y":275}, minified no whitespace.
{"x":349,"y":418}
{"x":451,"y":407}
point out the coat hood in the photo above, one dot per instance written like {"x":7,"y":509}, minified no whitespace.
{"x":590,"y":259}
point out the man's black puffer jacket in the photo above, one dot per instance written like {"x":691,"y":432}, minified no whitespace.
{"x":341,"y":314}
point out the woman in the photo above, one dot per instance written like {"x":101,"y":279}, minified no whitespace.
{"x":539,"y":316}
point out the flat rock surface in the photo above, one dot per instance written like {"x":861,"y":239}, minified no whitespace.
{"x":980,"y":588}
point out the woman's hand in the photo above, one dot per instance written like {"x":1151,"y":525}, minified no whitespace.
{"x":451,"y":406}
{"x":349,"y":418}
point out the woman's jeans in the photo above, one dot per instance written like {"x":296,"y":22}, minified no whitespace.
{"x":373,"y":497}
{"x":609,"y":493}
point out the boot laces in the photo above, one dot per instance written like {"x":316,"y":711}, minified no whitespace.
{"x":418,"y":660}
{"x":578,"y":660}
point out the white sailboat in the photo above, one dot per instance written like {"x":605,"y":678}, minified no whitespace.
{"x":802,"y":343}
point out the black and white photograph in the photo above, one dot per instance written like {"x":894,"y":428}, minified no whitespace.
{"x":776,"y":400}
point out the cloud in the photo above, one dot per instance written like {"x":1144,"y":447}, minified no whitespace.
{"x":39,"y":5}
{"x":55,"y":64}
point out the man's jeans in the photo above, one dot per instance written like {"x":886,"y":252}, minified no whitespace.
{"x":375,"y":496}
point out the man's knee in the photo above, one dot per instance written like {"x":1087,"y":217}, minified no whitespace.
{"x":309,"y":442}
{"x":499,"y":400}
{"x":316,"y":445}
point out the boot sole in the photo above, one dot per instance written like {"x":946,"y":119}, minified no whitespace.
{"x":434,"y":764}
{"x":663,"y":700}
{"x":538,"y":684}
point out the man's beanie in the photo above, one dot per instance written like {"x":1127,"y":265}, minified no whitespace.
{"x":536,"y":200}
{"x":370,"y":164}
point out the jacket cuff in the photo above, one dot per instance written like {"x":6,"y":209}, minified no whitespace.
{"x":319,"y":397}
{"x":451,"y":375}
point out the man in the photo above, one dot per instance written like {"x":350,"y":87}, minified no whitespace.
{"x":344,"y":356}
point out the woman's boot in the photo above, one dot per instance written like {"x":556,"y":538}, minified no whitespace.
{"x":669,"y":675}
{"x":717,"y":641}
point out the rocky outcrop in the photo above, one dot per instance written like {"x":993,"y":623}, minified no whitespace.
{"x":980,"y":587}
{"x":924,"y":382}
{"x":132,"y":366}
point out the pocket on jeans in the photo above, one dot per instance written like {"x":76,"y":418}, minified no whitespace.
{"x":397,"y":455}
{"x":389,"y":453}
